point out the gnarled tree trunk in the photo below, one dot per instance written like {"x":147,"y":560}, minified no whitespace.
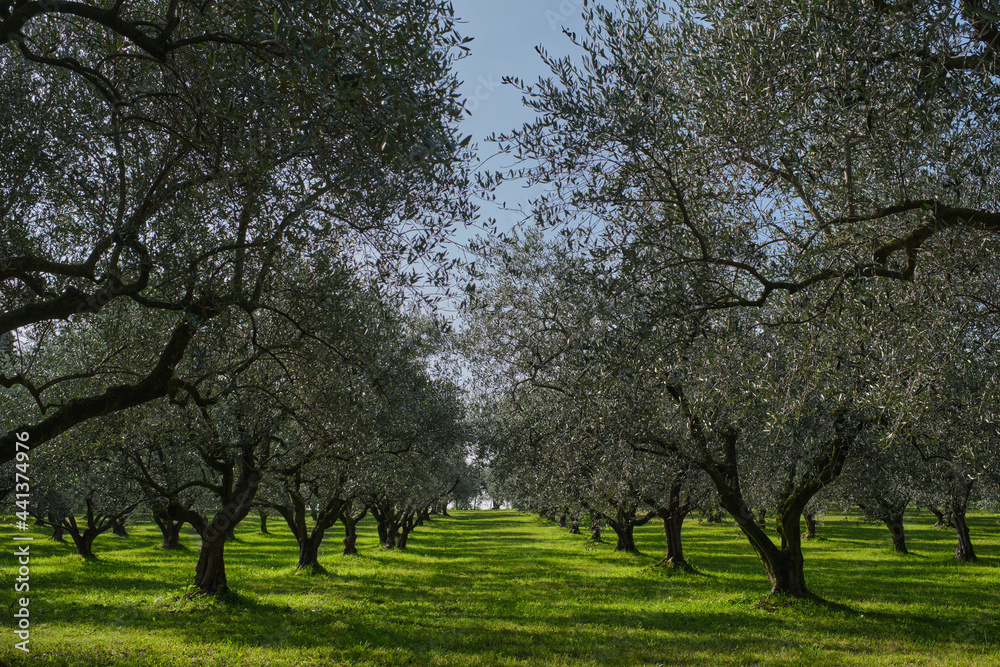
{"x":595,"y":528}
{"x":210,"y":572}
{"x":626,"y":537}
{"x":673,"y":523}
{"x":118,"y":527}
{"x":895,"y":526}
{"x":263,"y":523}
{"x":959,"y":504}
{"x":351,"y":530}
{"x":169,"y":528}
{"x":57,"y":528}
{"x":810,"y":519}
{"x":624,"y":525}
{"x":784,"y":565}
{"x":309,"y":552}
{"x":84,"y":541}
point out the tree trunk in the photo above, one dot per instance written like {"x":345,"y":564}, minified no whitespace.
{"x":762,"y":519}
{"x":444,"y":512}
{"x":595,"y":529}
{"x":574,"y":525}
{"x":562,"y":520}
{"x":785,"y":570}
{"x":383,"y":530}
{"x":58,"y":533}
{"x":210,"y":573}
{"x":172,"y":535}
{"x":942,"y":520}
{"x":263,"y":523}
{"x":169,"y":528}
{"x":959,"y":504}
{"x":118,"y":527}
{"x":389,"y":542}
{"x":406,"y":527}
{"x":714,"y":516}
{"x":898,"y":536}
{"x":350,"y":543}
{"x":309,"y":552}
{"x":84,"y":542}
{"x":964,"y":551}
{"x":388,"y":526}
{"x":810,"y":526}
{"x":624,"y":525}
{"x":784,"y":566}
{"x":626,"y":536}
{"x":351,"y":531}
{"x":673,"y":523}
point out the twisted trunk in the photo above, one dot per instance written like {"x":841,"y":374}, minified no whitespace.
{"x":96,"y":524}
{"x":295,"y":514}
{"x":389,"y":522}
{"x":406,"y":526}
{"x":309,"y":552}
{"x":895,"y":526}
{"x":959,"y":504}
{"x":595,"y":528}
{"x":169,"y":529}
{"x":118,"y":527}
{"x":210,"y":572}
{"x":624,"y":524}
{"x":673,"y":513}
{"x":351,"y":530}
{"x":83,"y":540}
{"x":673,"y":523}
{"x":784,"y":565}
{"x":626,"y":537}
{"x":238,"y":495}
{"x":57,"y":528}
{"x":890,"y":511}
{"x":810,"y":519}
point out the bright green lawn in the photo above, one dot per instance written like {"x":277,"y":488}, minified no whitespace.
{"x":501,"y":588}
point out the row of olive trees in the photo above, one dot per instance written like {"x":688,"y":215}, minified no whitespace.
{"x":777,"y":265}
{"x":162,"y":166}
{"x":324,"y":427}
{"x":589,"y":406}
{"x":204,"y":231}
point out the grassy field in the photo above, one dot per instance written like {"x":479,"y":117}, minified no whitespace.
{"x":501,"y":588}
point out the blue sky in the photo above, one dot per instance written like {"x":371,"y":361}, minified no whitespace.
{"x":505,"y":34}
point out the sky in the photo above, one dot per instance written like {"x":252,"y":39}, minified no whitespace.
{"x":505,"y":34}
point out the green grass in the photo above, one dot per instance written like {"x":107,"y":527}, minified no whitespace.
{"x":501,"y":588}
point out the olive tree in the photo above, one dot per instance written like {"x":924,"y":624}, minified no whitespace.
{"x":178,"y":153}
{"x":794,"y":146}
{"x":82,"y":487}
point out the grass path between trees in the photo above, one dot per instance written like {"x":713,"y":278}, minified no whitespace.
{"x":503,"y":588}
